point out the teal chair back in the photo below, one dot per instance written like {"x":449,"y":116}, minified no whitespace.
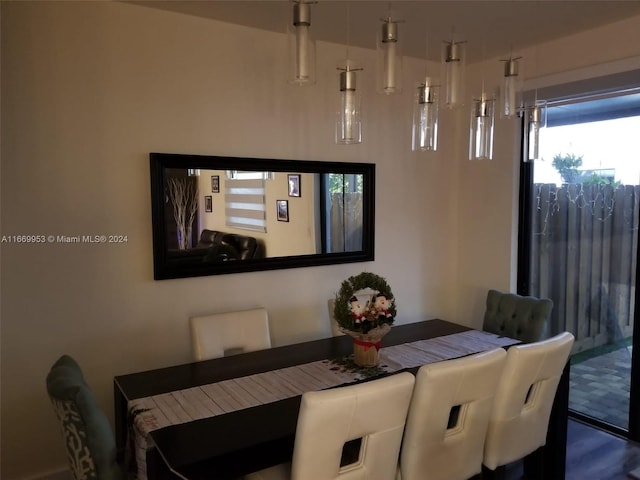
{"x":516,"y":316}
{"x":90,"y":443}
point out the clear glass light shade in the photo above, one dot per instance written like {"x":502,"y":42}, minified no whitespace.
{"x":349,"y":122}
{"x":302,"y":46}
{"x":453,"y":74}
{"x":481,"y":128}
{"x":536,"y":119}
{"x":512,"y":89}
{"x":425,"y":118}
{"x":389,"y":58}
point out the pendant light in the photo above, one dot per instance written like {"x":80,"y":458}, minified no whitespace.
{"x":348,"y":120}
{"x":481,"y":128}
{"x":536,"y":118}
{"x":453,"y":66}
{"x":389,"y":57}
{"x":511,"y":104}
{"x":482,"y":122}
{"x":424,"y":132}
{"x":425,"y":117}
{"x":302,"y":48}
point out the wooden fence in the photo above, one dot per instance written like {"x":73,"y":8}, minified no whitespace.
{"x":584,"y":253}
{"x":346,"y":222}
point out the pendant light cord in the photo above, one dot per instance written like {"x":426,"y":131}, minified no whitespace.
{"x":348,"y":38}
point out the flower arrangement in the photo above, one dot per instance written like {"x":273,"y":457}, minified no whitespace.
{"x":361,"y":317}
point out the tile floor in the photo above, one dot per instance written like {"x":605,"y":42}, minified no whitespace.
{"x":600,"y":387}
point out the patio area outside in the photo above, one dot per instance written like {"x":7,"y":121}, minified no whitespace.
{"x":599,"y":383}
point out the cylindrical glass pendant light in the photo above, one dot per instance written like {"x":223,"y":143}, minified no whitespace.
{"x":425,"y":117}
{"x":302,"y":48}
{"x":349,"y":123}
{"x":481,"y":136}
{"x":453,"y":64}
{"x":536,"y":119}
{"x":512,"y":88}
{"x":389,"y":58}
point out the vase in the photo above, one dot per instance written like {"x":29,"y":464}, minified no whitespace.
{"x":366,"y":346}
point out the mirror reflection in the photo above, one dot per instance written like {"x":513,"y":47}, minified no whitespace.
{"x":226,"y":211}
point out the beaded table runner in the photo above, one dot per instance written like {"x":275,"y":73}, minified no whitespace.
{"x":205,"y":401}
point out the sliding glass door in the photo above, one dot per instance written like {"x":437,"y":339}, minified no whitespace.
{"x":579,"y":244}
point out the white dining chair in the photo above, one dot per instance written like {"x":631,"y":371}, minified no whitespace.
{"x":335,"y":328}
{"x":448,"y":417}
{"x":522,"y":407}
{"x":221,"y":334}
{"x":373,"y":411}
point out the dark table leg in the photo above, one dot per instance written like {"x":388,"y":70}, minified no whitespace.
{"x":121,"y":423}
{"x":157,"y":468}
{"x":549,"y":462}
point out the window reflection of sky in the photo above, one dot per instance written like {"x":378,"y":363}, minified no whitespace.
{"x":608,"y":144}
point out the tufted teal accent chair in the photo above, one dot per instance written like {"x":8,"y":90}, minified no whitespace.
{"x":515,"y":316}
{"x":91,"y":446}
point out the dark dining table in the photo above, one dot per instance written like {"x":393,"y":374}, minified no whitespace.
{"x":236,"y":443}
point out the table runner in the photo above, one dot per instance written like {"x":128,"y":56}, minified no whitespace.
{"x":205,"y":401}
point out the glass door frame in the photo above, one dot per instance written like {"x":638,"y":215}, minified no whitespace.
{"x":525,"y":231}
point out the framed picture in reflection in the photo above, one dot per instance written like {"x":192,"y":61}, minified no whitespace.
{"x":208,"y":203}
{"x":294,"y":185}
{"x":215,"y":183}
{"x":282,"y":207}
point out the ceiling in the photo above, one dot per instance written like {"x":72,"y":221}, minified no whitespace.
{"x":491,"y":28}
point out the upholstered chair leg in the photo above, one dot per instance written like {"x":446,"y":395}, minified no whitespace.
{"x":534,"y":465}
{"x":499,"y":473}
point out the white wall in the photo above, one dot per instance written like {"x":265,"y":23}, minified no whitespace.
{"x":90,"y":88}
{"x":298,"y":235}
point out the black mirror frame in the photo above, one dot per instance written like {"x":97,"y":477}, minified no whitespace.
{"x":166,"y":268}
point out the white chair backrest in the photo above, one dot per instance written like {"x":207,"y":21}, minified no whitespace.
{"x":521,"y":410}
{"x":222,"y":334}
{"x":448,"y":417}
{"x":374,"y":411}
{"x":335,"y":328}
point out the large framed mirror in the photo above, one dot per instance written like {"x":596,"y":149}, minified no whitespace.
{"x":215,"y":215}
